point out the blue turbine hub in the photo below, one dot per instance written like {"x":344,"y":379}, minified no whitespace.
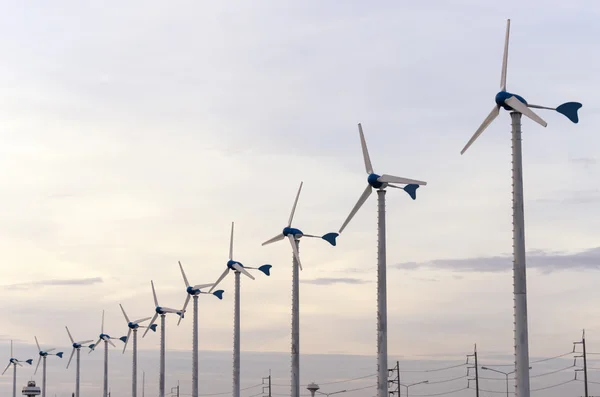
{"x":76,"y":345}
{"x":159,"y":310}
{"x":372,"y":180}
{"x":291,"y":230}
{"x":230,"y":264}
{"x":502,"y":96}
{"x":132,"y":325}
{"x":190,"y":290}
{"x":102,"y":336}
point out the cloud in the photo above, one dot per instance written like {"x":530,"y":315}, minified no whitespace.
{"x":585,"y":161}
{"x":335,"y":280}
{"x":60,"y":282}
{"x":545,"y":261}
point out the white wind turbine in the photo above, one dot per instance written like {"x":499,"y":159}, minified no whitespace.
{"x":133,"y":327}
{"x":294,"y":235}
{"x":238,"y":269}
{"x":380,"y":182}
{"x":76,"y":348}
{"x":106,"y":339}
{"x":162,"y":311}
{"x":14,"y":362}
{"x":195,"y":291}
{"x":518,"y":106}
{"x":42,"y":356}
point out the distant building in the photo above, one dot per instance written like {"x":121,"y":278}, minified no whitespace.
{"x":31,"y":389}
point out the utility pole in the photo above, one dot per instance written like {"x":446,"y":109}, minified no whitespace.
{"x":474,"y":355}
{"x":395,"y":380}
{"x":584,"y":355}
{"x":177,"y":388}
{"x":268,"y":387}
{"x":143,"y":383}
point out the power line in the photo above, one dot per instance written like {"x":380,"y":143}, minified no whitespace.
{"x":552,"y":372}
{"x":439,"y":394}
{"x":557,"y":385}
{"x":434,"y":369}
{"x":446,"y":380}
{"x":229,"y":392}
{"x":532,"y":362}
{"x":330,"y":383}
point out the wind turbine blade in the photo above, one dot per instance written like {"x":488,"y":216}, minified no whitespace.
{"x":396,"y":179}
{"x":124,"y":314}
{"x":221,"y":277}
{"x":187,"y":300}
{"x":70,"y":358}
{"x":231,"y":243}
{"x":185,"y":280}
{"x":127,"y":340}
{"x":363,"y":197}
{"x":295,"y":249}
{"x":274,"y":239}
{"x":154,"y":293}
{"x":38,"y":365}
{"x":110,"y":341}
{"x":520,"y":107}
{"x":8,"y":366}
{"x":150,"y":325}
{"x":102,"y":326}
{"x":18,"y":363}
{"x":68,"y":332}
{"x":200,"y":286}
{"x":294,"y":207}
{"x":50,"y":350}
{"x":505,"y":58}
{"x":38,"y":345}
{"x":488,"y":120}
{"x":365,"y":151}
{"x":85,"y":341}
{"x":141,"y":320}
{"x":242,"y":270}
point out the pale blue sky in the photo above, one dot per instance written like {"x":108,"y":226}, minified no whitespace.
{"x":133,"y":134}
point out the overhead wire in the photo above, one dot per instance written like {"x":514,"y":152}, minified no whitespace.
{"x":434,"y":369}
{"x":439,"y":394}
{"x":330,"y":383}
{"x":532,"y":362}
{"x":445,"y":380}
{"x":552,"y":386}
{"x":229,"y":392}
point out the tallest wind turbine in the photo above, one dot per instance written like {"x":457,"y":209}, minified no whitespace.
{"x":517,"y":106}
{"x":380,"y":182}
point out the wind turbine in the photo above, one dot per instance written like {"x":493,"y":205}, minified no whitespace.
{"x":162,"y":311}
{"x":133,"y":326}
{"x":294,"y":235}
{"x":42,"y":355}
{"x":380,"y":182}
{"x":107,"y":339}
{"x":238,"y":269}
{"x":517,"y":106}
{"x":14,"y":362}
{"x":195,"y":291}
{"x":76,"y":347}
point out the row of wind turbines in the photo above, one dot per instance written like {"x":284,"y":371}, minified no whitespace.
{"x":515,"y":104}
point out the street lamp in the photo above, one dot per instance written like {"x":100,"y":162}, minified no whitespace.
{"x":503,"y":373}
{"x":413,"y":384}
{"x":314,"y":388}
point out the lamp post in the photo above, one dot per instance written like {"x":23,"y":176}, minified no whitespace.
{"x":503,"y":373}
{"x":413,"y":384}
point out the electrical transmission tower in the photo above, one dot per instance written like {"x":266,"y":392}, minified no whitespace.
{"x":584,"y":356}
{"x":394,"y":379}
{"x":475,"y":366}
{"x":267,"y":389}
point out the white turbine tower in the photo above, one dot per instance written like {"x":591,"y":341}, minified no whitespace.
{"x":14,"y":362}
{"x":106,"y":339}
{"x":42,"y":356}
{"x":380,"y":182}
{"x":162,"y":311}
{"x":238,"y":269}
{"x":294,"y":235}
{"x":76,"y":348}
{"x":133,"y":327}
{"x":195,"y":291}
{"x":516,"y":105}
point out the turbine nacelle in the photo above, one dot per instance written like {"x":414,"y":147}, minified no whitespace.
{"x":502,"y":96}
{"x":292,"y":231}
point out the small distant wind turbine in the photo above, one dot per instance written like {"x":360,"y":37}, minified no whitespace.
{"x":42,"y":356}
{"x":238,"y":269}
{"x":106,"y":339}
{"x":517,"y":106}
{"x":294,"y":235}
{"x":14,"y":362}
{"x":195,"y":291}
{"x":76,"y":347}
{"x":162,"y":311}
{"x":133,"y":327}
{"x":380,"y":182}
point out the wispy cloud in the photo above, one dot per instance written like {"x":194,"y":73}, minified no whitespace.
{"x":545,"y":261}
{"x":58,"y":282}
{"x":335,"y":280}
{"x":585,"y":161}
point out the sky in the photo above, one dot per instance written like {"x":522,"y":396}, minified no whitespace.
{"x":133,"y":134}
